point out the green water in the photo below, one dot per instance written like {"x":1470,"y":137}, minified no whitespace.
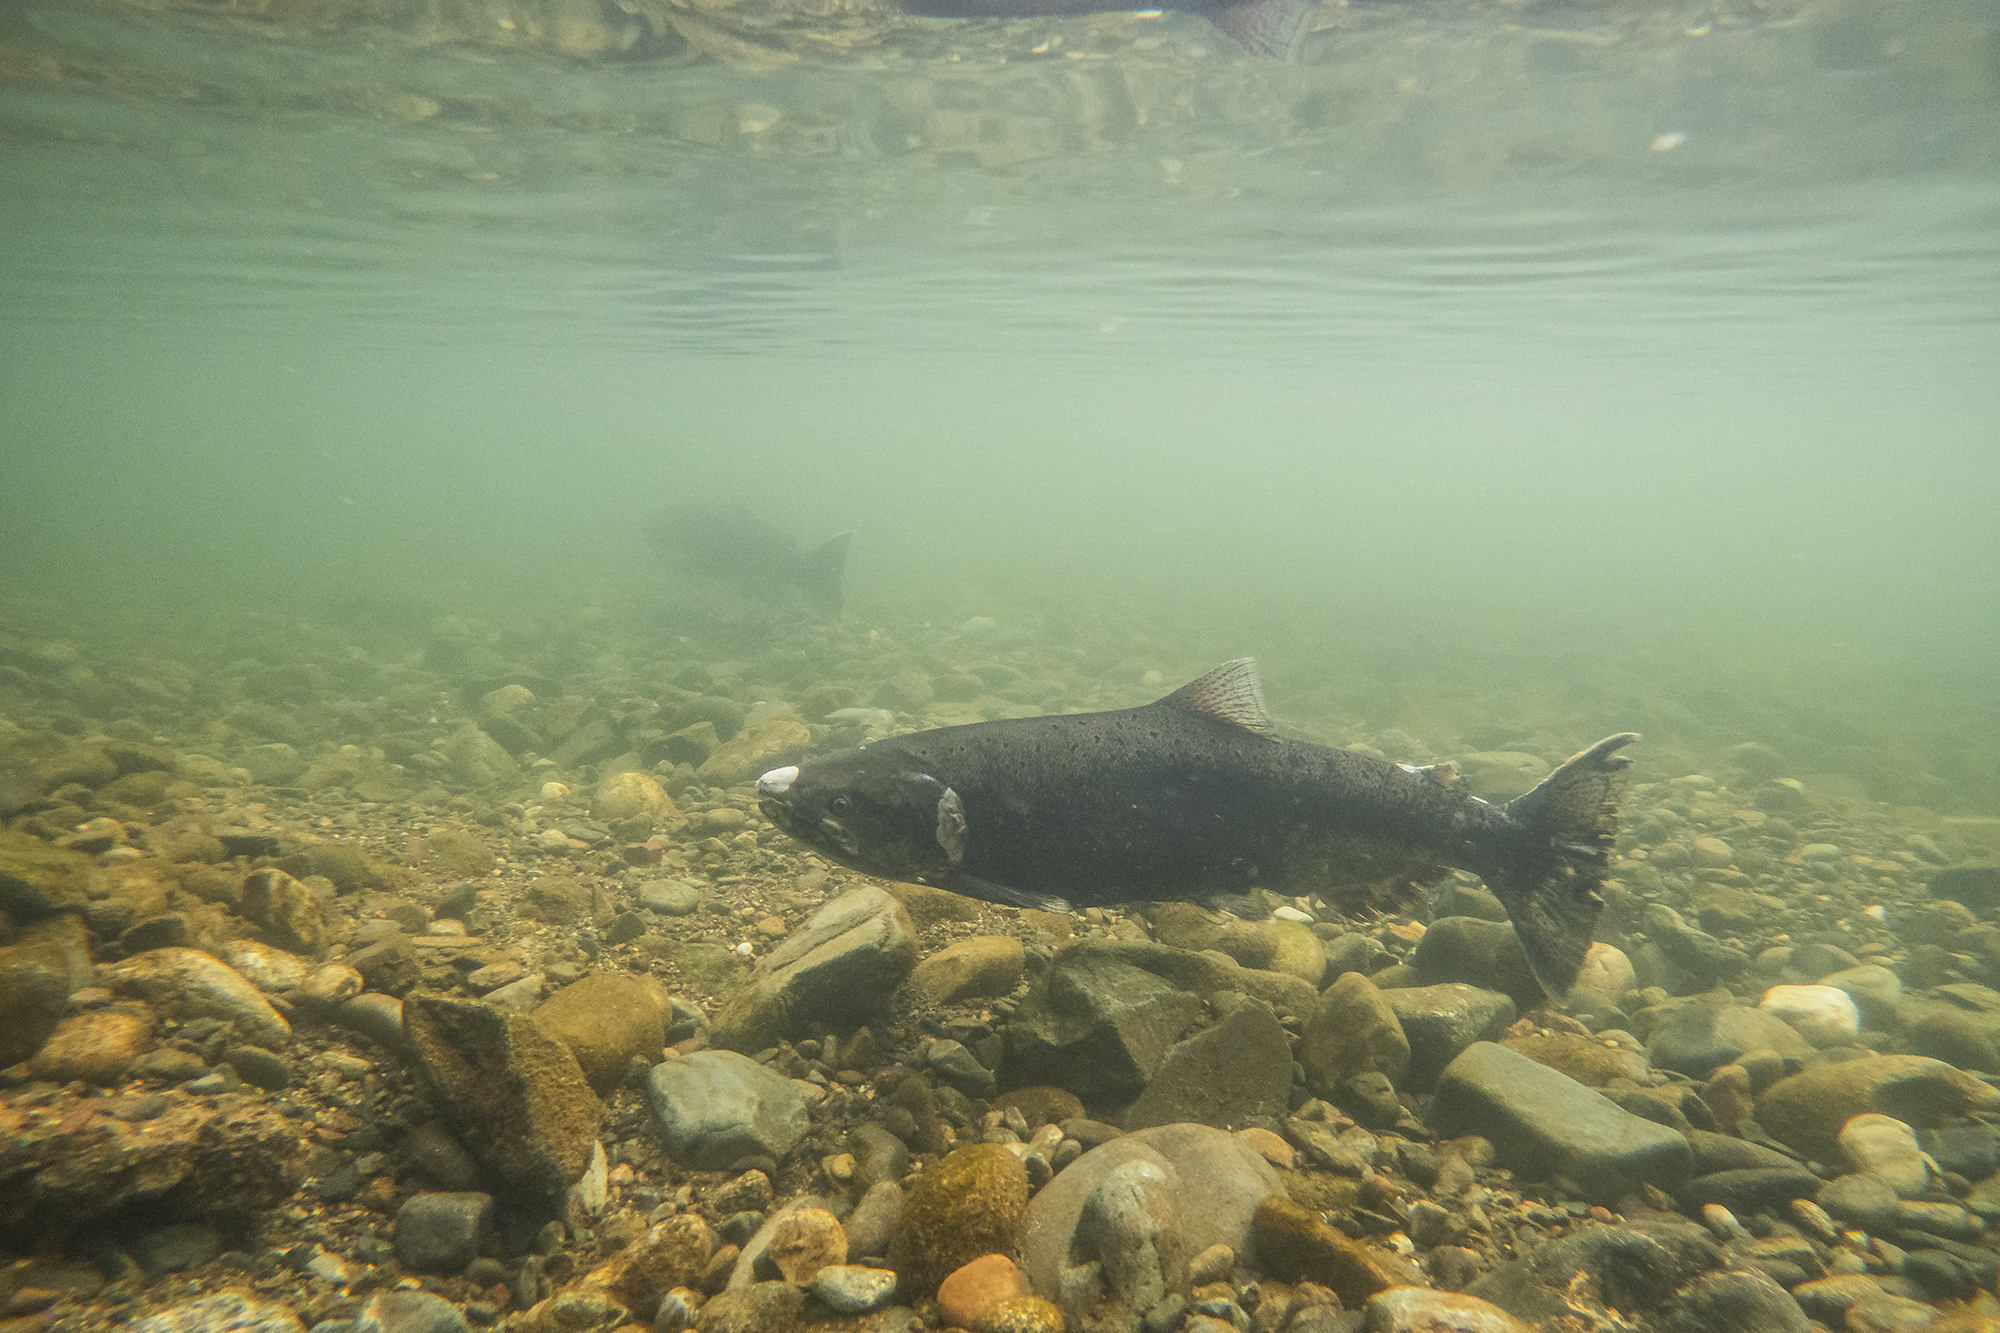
{"x":1499,"y":366}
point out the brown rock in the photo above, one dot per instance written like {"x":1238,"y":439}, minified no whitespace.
{"x":38,"y":879}
{"x":271,"y":970}
{"x":929,"y":907}
{"x":35,"y":985}
{"x":975,"y":1287}
{"x":761,"y":1307}
{"x":516,"y":1095}
{"x":186,"y":983}
{"x":575,"y":1311}
{"x":389,"y":965}
{"x":1420,"y":1310}
{"x":97,"y":1047}
{"x":1807,"y":1111}
{"x":606,"y":1019}
{"x":1587,"y":1060}
{"x":838,"y":970}
{"x":967,"y":1205}
{"x":984,"y":966}
{"x":1352,"y":1030}
{"x":68,"y":1164}
{"x":674,"y":1253}
{"x":286,"y":909}
{"x":1043,"y":1105}
{"x":749,"y":753}
{"x":1271,"y":1147}
{"x":805,"y":1242}
{"x":1020,"y":1314}
{"x":631,"y":795}
{"x":1296,"y":1246}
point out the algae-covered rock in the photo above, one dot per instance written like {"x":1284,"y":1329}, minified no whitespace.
{"x":765,"y":747}
{"x":606,"y":1019}
{"x":516,"y":1095}
{"x":631,"y":795}
{"x":839,"y":971}
{"x":981,"y":967}
{"x":1807,"y":1111}
{"x":39,"y":879}
{"x":1352,"y":1030}
{"x":1297,"y":1246}
{"x":969,"y":1204}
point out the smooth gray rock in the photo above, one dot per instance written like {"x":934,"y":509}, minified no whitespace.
{"x":1443,"y":1020}
{"x":878,"y":1155}
{"x":851,"y":1289}
{"x":1219,"y":1180}
{"x":714,"y":1108}
{"x":375,"y":1016}
{"x":1700,"y":954}
{"x":669,"y":897}
{"x":175,"y":1248}
{"x":1867,"y":1202}
{"x":1696,"y":1037}
{"x":439,"y":1233}
{"x":838,"y":971}
{"x":1130,"y":1225}
{"x":1482,"y":953}
{"x":1741,"y":1302}
{"x":950,"y":1061}
{"x":1750,"y":1190}
{"x":1544,"y":1123}
{"x":1097,"y":1026}
{"x":1228,"y":1075}
{"x":872,"y":1224}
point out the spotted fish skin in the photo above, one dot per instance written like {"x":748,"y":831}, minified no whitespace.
{"x":1191,"y":798}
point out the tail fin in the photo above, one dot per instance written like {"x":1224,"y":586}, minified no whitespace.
{"x":1274,"y":28}
{"x":820,"y":571}
{"x":1550,"y":883}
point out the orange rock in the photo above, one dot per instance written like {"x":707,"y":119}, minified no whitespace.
{"x":807,"y":1241}
{"x":971,"y":1288}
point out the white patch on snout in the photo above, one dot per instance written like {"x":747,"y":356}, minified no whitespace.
{"x":778,"y":781}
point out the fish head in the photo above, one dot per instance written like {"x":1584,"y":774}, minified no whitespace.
{"x":880,"y":813}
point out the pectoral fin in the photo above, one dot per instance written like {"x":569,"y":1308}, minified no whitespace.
{"x":951,"y":826}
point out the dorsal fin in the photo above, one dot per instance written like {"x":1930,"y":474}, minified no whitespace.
{"x":1230,"y":692}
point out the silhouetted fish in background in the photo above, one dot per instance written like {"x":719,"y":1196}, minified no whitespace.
{"x":731,"y":545}
{"x":1268,"y":27}
{"x":1191,"y":799}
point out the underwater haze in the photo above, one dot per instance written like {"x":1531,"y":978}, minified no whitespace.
{"x":500,"y":498}
{"x":1489,"y":353}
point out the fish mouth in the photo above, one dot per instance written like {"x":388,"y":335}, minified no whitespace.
{"x":774,"y":792}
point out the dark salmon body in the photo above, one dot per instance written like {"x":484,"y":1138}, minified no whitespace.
{"x":732,"y":546}
{"x":1191,"y":799}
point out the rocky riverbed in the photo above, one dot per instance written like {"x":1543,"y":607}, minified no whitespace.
{"x":454,"y":980}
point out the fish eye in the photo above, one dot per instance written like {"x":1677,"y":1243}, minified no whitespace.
{"x":839,"y":805}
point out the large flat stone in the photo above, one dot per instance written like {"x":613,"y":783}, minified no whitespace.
{"x":1544,"y":1123}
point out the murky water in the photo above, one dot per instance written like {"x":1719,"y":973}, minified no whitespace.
{"x":1490,"y":350}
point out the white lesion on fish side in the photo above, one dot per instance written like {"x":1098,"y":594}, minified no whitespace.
{"x":778,"y":781}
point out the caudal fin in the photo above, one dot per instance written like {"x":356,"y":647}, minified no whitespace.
{"x":820,"y":571}
{"x":1274,"y":28}
{"x":1550,"y":883}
